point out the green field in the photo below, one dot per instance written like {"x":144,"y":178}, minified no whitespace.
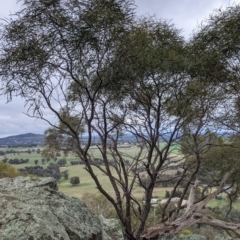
{"x":87,"y":184}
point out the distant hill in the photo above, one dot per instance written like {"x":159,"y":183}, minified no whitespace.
{"x":28,"y":139}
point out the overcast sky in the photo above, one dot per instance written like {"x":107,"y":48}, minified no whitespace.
{"x":185,"y":14}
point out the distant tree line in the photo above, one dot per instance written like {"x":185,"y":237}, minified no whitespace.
{"x":15,"y":160}
{"x":52,"y":170}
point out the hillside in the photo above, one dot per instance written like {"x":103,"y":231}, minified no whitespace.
{"x":28,"y":139}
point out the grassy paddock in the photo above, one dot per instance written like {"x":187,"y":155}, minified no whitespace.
{"x":87,"y":184}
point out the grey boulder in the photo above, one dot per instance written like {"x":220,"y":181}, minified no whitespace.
{"x":33,"y":209}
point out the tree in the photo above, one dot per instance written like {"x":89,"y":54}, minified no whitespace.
{"x":62,"y":162}
{"x":167,"y":195}
{"x":5,"y":160}
{"x":74,"y":180}
{"x":2,"y":153}
{"x":36,"y":162}
{"x":53,"y":170}
{"x":65,"y":174}
{"x":106,"y":74}
{"x":58,"y":154}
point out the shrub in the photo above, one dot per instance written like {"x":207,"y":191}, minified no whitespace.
{"x":218,"y":197}
{"x":17,"y":161}
{"x":75,"y":162}
{"x":74,"y":180}
{"x":167,"y":194}
{"x":5,"y":160}
{"x":61,"y":162}
{"x":185,"y":232}
{"x":2,"y":153}
{"x":7,"y":170}
{"x":43,"y":160}
{"x":52,"y":170}
{"x":14,"y":161}
{"x":65,"y":174}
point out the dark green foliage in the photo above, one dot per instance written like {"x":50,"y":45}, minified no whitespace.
{"x":62,"y":162}
{"x":17,"y":161}
{"x":218,"y":198}
{"x":177,"y":193}
{"x":75,"y":162}
{"x":5,"y":160}
{"x":52,"y":170}
{"x":2,"y":153}
{"x":74,"y":180}
{"x":98,"y":161}
{"x":65,"y":174}
{"x":43,"y":160}
{"x":58,"y":154}
{"x":11,"y":151}
{"x":167,"y":195}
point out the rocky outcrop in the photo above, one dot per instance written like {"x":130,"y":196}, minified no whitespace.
{"x":33,"y":209}
{"x":112,"y":229}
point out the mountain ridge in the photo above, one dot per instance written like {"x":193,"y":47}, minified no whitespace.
{"x":26,"y":139}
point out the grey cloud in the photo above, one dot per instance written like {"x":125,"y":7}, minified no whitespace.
{"x":186,"y":14}
{"x":13,"y":121}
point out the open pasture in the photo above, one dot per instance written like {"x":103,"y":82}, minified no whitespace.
{"x":87,"y":184}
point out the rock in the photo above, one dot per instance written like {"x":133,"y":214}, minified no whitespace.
{"x":222,"y":237}
{"x":33,"y":209}
{"x":111,"y":229}
{"x":166,"y":237}
{"x":192,"y":237}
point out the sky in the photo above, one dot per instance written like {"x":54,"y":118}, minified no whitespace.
{"x":185,"y":14}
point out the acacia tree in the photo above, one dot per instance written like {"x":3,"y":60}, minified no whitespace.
{"x":106,"y":74}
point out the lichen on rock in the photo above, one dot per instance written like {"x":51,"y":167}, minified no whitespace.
{"x":111,"y":229}
{"x":33,"y":209}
